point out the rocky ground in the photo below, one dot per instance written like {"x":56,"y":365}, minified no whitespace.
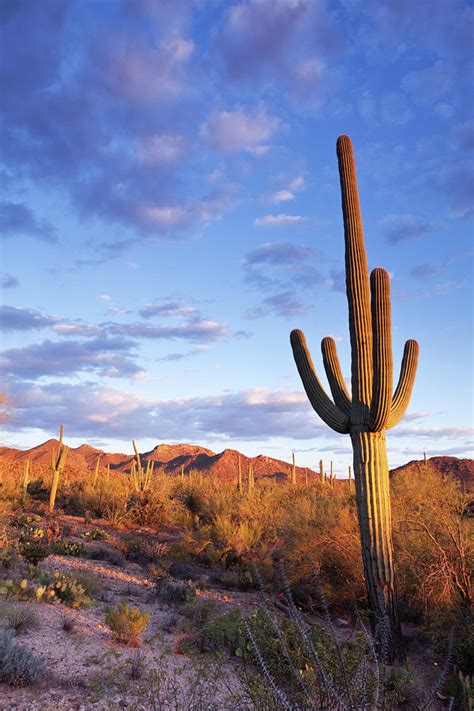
{"x":87,"y":669}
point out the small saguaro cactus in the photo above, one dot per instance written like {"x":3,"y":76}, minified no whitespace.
{"x":293,"y":469}
{"x":239,"y":480}
{"x":26,"y":478}
{"x":58,"y":461}
{"x":251,"y":479}
{"x":373,"y":408}
{"x":321,"y":470}
{"x":96,"y":471}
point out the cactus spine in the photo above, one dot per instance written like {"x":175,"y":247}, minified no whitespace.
{"x":372,"y":408}
{"x":58,"y":461}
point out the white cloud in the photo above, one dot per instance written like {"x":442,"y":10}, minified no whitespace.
{"x":288,"y":193}
{"x":240,"y":130}
{"x":282,"y":196}
{"x":161,"y":148}
{"x":279,"y":220}
{"x":164,"y":216}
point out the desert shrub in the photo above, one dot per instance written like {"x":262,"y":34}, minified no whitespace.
{"x":95,"y":534}
{"x":198,"y":612}
{"x":127,"y":624}
{"x":18,"y":665}
{"x":224,"y":632}
{"x":175,"y":592}
{"x":33,"y":552}
{"x":434,"y":542}
{"x":21,"y":619}
{"x":110,"y":555}
{"x":184,"y":571}
{"x":77,"y":550}
{"x":68,"y":623}
{"x":38,"y":490}
{"x":9,"y":556}
{"x":137,"y":666}
{"x":137,"y":548}
{"x":142,"y":550}
{"x":458,"y":620}
{"x":239,"y":577}
{"x":147,"y":509}
{"x":90,"y":581}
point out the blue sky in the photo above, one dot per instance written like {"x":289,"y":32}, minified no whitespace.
{"x":171,"y":210}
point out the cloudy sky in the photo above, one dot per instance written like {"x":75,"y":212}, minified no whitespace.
{"x":171,"y":210}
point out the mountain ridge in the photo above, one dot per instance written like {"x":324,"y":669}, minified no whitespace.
{"x":172,"y":458}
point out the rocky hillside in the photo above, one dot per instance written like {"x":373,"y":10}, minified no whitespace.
{"x":462,"y":469}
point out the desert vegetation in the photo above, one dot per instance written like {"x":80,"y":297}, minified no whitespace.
{"x":197,"y":571}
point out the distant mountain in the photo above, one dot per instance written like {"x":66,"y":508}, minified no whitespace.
{"x":171,"y":458}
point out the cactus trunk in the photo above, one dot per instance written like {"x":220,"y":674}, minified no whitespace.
{"x":375,"y":525}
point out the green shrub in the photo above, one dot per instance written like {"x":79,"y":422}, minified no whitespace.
{"x":142,"y":550}
{"x":18,"y":665}
{"x":238,"y":578}
{"x":33,"y":552}
{"x":175,"y":592}
{"x":225,"y":632}
{"x":71,"y":548}
{"x":126,"y":623}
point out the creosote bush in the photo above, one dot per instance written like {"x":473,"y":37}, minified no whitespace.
{"x":127,"y":624}
{"x":175,"y":592}
{"x":22,"y":619}
{"x":18,"y":665}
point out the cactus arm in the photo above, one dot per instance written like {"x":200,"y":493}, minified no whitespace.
{"x":139,"y":461}
{"x":382,"y":350}
{"x":402,"y":394}
{"x":357,"y":285}
{"x":320,"y":402}
{"x":334,"y":375}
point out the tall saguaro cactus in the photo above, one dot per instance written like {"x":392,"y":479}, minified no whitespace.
{"x":58,"y":461}
{"x":373,"y":408}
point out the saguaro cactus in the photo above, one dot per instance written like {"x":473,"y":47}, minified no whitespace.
{"x":293,"y":469}
{"x":373,"y":408}
{"x":58,"y":461}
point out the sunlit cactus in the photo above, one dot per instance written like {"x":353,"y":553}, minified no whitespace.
{"x":58,"y":461}
{"x":373,"y":408}
{"x":141,"y":478}
{"x":293,"y":469}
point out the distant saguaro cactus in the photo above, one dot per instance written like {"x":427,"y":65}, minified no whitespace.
{"x":58,"y":461}
{"x":372,"y":408}
{"x":293,"y":469}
